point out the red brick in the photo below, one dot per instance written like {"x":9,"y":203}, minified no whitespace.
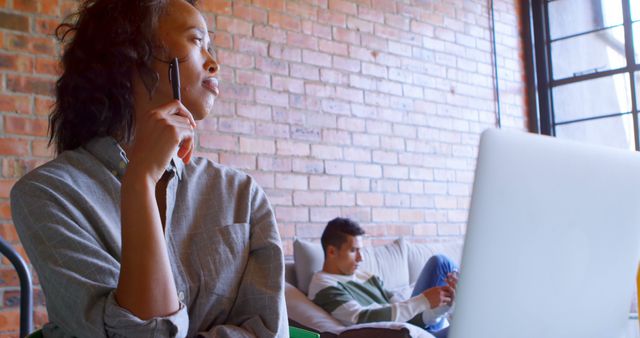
{"x":271,"y":97}
{"x":307,"y":166}
{"x":30,"y":84}
{"x":249,"y":13}
{"x":14,"y":22}
{"x":305,"y":72}
{"x":218,"y":141}
{"x":288,"y":85}
{"x":8,"y":232}
{"x":238,"y":161}
{"x":5,"y":187}
{"x":386,"y":6}
{"x":323,"y":215}
{"x":250,"y":46}
{"x":270,"y":34}
{"x":304,"y":11}
{"x":233,"y":25}
{"x":235,"y":125}
{"x":49,"y":7}
{"x":218,"y":6}
{"x":345,"y":199}
{"x":332,"y":18}
{"x":26,"y":5}
{"x":257,"y":146}
{"x":302,"y":41}
{"x":324,"y":183}
{"x":50,"y":66}
{"x":316,"y":58}
{"x":321,"y":151}
{"x":331,"y":47}
{"x":16,"y":62}
{"x":274,"y":130}
{"x":41,"y":149}
{"x":286,"y":147}
{"x":272,"y":66}
{"x":15,"y":104}
{"x":308,"y":198}
{"x":5,"y":210}
{"x":268,"y":163}
{"x":339,"y":168}
{"x":284,"y":52}
{"x":284,"y":21}
{"x":9,"y":320}
{"x":270,"y":4}
{"x":355,"y":184}
{"x":345,"y":35}
{"x":292,"y":214}
{"x":231,"y":59}
{"x":46,"y":26}
{"x":25,"y":126}
{"x":292,"y":181}
{"x":253,"y":78}
{"x":223,"y":40}
{"x":343,"y":6}
{"x":372,"y":199}
{"x":237,"y":92}
{"x":321,"y":31}
{"x":31,"y":44}
{"x":43,"y":105}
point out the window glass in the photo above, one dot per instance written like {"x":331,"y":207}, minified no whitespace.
{"x":606,"y":51}
{"x":592,"y":98}
{"x":569,"y":17}
{"x":611,"y":131}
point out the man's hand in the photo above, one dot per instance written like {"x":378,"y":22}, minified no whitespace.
{"x":452,"y":279}
{"x":158,"y":134}
{"x":440,"y":295}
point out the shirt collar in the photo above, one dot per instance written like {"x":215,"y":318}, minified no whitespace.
{"x":108,"y":151}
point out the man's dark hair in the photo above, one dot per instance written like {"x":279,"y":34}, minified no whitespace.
{"x":107,"y":43}
{"x":336,"y":232}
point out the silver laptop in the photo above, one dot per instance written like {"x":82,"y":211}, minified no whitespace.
{"x":553,"y":240}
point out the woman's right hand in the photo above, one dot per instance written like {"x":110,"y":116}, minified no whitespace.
{"x":158,"y":134}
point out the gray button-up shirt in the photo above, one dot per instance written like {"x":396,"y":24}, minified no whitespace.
{"x":221,"y":234}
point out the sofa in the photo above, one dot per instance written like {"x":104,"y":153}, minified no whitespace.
{"x":398,"y":264}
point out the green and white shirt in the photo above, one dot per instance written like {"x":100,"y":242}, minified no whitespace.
{"x":361,"y":298}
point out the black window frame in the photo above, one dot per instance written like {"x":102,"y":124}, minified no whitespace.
{"x":535,"y":32}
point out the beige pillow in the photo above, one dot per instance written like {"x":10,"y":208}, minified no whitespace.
{"x":308,"y":259}
{"x":389,"y":262}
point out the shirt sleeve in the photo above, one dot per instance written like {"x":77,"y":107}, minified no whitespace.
{"x":78,"y":272}
{"x":259,"y":309}
{"x":341,"y":305}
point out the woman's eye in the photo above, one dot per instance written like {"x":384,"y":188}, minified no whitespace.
{"x":198,"y":41}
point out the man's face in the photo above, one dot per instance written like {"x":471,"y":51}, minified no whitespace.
{"x":348,"y":257}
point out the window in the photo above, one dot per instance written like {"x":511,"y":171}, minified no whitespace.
{"x":583,"y":67}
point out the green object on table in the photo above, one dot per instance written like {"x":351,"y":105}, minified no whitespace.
{"x":35,"y":334}
{"x":296,"y":332}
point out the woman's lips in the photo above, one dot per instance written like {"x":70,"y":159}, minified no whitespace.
{"x":211,"y":84}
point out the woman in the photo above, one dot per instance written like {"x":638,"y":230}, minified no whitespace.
{"x":129,"y":235}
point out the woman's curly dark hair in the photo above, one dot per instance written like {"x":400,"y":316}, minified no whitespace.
{"x":108,"y":42}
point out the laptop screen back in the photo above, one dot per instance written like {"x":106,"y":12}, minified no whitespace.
{"x":552,"y":242}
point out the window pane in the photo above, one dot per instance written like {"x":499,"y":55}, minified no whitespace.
{"x":603,"y":96}
{"x":636,"y":40}
{"x":635,"y":10}
{"x":568,"y":17}
{"x":612,"y":131}
{"x":606,"y":51}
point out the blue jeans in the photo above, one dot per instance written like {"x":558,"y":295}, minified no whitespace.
{"x":434,"y":273}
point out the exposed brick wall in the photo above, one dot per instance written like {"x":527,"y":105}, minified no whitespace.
{"x":369,"y":109}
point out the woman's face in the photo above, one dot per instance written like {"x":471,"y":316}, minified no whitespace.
{"x":183,"y":33}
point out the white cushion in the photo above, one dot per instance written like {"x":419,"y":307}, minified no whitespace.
{"x":305,"y":312}
{"x":389,"y":262}
{"x":308,"y":259}
{"x":419,"y":253}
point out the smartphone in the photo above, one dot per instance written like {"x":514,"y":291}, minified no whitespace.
{"x":174,"y":78}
